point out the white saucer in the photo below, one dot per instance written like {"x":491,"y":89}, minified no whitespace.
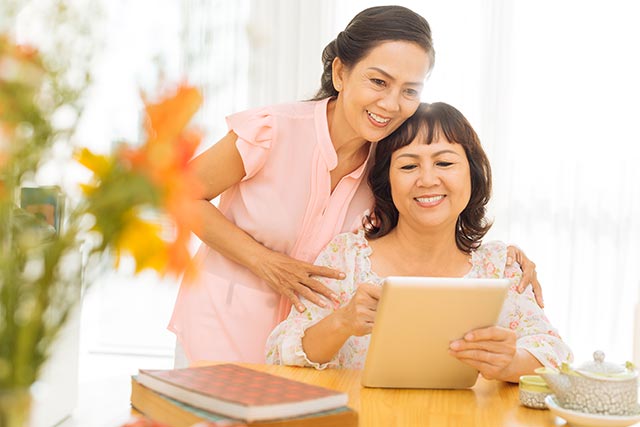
{"x":582,"y":419}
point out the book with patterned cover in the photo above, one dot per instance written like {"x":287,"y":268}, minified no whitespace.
{"x":241,"y":393}
{"x":173,"y":413}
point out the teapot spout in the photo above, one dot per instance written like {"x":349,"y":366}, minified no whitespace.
{"x":557,"y":382}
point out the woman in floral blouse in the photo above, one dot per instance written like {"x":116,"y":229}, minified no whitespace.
{"x":431,"y":182}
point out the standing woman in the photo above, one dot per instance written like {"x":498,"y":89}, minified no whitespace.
{"x":291,"y":177}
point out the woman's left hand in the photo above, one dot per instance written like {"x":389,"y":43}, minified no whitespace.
{"x":489,"y":350}
{"x":529,"y":274}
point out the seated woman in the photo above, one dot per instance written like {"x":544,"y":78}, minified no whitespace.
{"x":431,"y":181}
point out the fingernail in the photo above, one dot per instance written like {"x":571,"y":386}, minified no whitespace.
{"x":322,"y":304}
{"x":335,"y":297}
{"x":342,"y":275}
{"x":454,"y":345}
{"x":468,"y":337}
{"x":301,"y":308}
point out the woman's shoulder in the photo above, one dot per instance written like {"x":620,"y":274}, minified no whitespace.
{"x":296,"y":109}
{"x":492,"y":247}
{"x":489,"y":259}
{"x":349,"y":241}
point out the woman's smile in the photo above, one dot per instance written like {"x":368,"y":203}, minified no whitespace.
{"x":430,"y":201}
{"x":378,"y":120}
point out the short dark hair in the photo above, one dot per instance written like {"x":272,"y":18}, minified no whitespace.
{"x":433,"y":120}
{"x":367,"y":30}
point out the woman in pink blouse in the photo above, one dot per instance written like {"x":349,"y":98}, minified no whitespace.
{"x":431,"y":182}
{"x":290,"y":178}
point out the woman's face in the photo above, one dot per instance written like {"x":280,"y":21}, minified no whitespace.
{"x":382,"y":90}
{"x":430,"y":184}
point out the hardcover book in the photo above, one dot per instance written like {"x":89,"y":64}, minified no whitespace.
{"x":241,"y":393}
{"x":173,"y":413}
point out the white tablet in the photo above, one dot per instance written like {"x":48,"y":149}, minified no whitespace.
{"x":417,"y":318}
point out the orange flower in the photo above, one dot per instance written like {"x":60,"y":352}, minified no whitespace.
{"x":141,"y":239}
{"x":96,"y":163}
{"x":167,"y":119}
{"x":165,"y":159}
{"x":157,"y":176}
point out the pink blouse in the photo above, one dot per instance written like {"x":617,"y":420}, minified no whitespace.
{"x":285,"y":203}
{"x":350,"y":252}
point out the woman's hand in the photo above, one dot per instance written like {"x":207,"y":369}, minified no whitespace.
{"x":529,"y":275}
{"x":292,"y":278}
{"x":359,"y":314}
{"x":489,"y":350}
{"x":324,"y":339}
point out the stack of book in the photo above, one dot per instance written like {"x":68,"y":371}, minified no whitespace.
{"x":232,"y":395}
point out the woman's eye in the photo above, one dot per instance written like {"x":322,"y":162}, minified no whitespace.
{"x":408,"y":167}
{"x":378,"y":82}
{"x":443,"y":164}
{"x":412,"y":93}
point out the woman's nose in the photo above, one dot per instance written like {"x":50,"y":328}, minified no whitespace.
{"x":428,"y":177}
{"x":390,"y":101}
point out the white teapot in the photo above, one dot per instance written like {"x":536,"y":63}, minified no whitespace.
{"x":596,"y":387}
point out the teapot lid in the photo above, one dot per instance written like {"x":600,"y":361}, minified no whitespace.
{"x":600,"y":369}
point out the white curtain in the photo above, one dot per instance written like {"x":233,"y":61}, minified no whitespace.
{"x":286,"y":42}
{"x":568,"y":178}
{"x":148,"y":45}
{"x":215,"y":57}
{"x":552,"y":89}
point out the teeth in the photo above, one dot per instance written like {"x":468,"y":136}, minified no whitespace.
{"x":377,"y":118}
{"x":429,"y":199}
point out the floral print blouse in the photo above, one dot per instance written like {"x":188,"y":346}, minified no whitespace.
{"x":349,"y":252}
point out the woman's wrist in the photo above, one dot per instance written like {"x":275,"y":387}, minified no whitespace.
{"x":341,"y":324}
{"x":255,"y":257}
{"x":523,"y":363}
{"x":323,"y":340}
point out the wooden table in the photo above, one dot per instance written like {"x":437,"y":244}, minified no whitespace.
{"x":488,"y":403}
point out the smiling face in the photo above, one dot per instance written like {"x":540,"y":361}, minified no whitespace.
{"x":381,"y":91}
{"x":430,"y":183}
{"x":431,"y":180}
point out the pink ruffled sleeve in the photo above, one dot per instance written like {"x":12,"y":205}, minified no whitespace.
{"x":255,"y":133}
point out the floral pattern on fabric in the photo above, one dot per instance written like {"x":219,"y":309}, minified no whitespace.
{"x":349,"y":252}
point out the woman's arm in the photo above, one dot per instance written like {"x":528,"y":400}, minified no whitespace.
{"x":323,"y":340}
{"x":523,"y":340}
{"x":217,"y":169}
{"x":295,"y":342}
{"x":317,"y":337}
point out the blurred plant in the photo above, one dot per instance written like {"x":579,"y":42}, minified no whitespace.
{"x":131,"y":188}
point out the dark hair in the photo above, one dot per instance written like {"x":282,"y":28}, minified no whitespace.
{"x":367,"y":30}
{"x":432,"y":121}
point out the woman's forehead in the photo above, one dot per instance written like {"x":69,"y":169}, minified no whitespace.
{"x":420,"y":144}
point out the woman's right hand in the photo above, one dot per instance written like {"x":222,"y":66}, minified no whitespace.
{"x":359,"y":314}
{"x":293,"y":278}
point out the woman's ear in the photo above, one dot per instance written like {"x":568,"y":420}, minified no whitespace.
{"x":337,"y":71}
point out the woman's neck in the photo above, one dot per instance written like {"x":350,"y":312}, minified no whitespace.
{"x":409,"y":252}
{"x":345,"y":141}
{"x":351,"y":149}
